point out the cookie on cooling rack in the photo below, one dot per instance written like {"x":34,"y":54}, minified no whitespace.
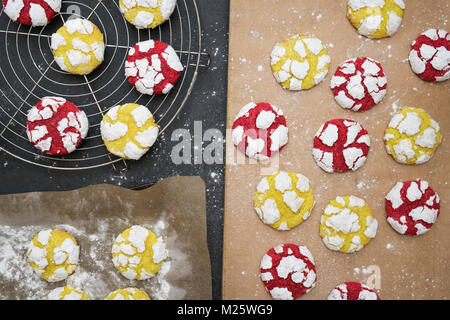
{"x":35,"y":13}
{"x":56,"y":126}
{"x":138,"y":253}
{"x":129,"y":130}
{"x":147,"y":13}
{"x":128,"y":294}
{"x":78,"y":46}
{"x":153,"y":67}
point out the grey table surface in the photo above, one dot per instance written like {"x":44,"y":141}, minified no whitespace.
{"x":205,"y":109}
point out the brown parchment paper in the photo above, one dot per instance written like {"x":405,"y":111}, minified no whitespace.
{"x":173,"y":208}
{"x":399,"y":267}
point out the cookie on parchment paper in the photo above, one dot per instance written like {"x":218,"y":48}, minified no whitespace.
{"x":341,"y":145}
{"x":260,"y":130}
{"x":359,"y":84}
{"x":412,"y":207}
{"x":430,"y":55}
{"x":352,"y":291}
{"x":376,"y":18}
{"x":300,"y":62}
{"x":347,"y":224}
{"x":412,"y":136}
{"x":288,"y":271}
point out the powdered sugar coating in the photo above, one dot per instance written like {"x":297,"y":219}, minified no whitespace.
{"x":359,"y":84}
{"x":36,"y":13}
{"x":260,"y":130}
{"x":153,"y":67}
{"x":288,"y":271}
{"x":412,"y":207}
{"x":430,"y":55}
{"x":56,"y":126}
{"x":341,"y":145}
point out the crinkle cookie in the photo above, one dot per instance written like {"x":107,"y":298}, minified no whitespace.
{"x":359,"y":84}
{"x":430,"y":55}
{"x":283,"y":200}
{"x":67,"y":293}
{"x":341,"y":145}
{"x":147,"y":13}
{"x":352,"y":291}
{"x":260,"y":130}
{"x":376,"y":18}
{"x":153,"y":67}
{"x":347,"y":224}
{"x":36,"y":13}
{"x":300,"y":62}
{"x":78,"y":46}
{"x":128,"y":294}
{"x":53,"y":254}
{"x":129,"y":130}
{"x":288,"y":271}
{"x":412,"y":207}
{"x":138,"y":254}
{"x":412,"y":136}
{"x":56,"y":126}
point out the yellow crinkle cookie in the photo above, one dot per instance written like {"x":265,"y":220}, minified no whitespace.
{"x":128,"y":294}
{"x":129,"y":130}
{"x":53,"y":254}
{"x":376,"y":18}
{"x":147,"y":13}
{"x":412,"y":136}
{"x":300,"y":62}
{"x":283,"y":200}
{"x":78,"y":46}
{"x":347,"y":224}
{"x":67,"y":293}
{"x":138,"y":254}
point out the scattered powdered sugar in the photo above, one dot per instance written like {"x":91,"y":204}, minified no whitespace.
{"x":95,"y":274}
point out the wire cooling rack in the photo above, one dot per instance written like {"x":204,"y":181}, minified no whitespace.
{"x":28,"y":72}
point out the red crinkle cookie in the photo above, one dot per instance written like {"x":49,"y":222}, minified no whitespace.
{"x":359,"y":84}
{"x":288,"y":271}
{"x":341,"y":145}
{"x":412,"y":207}
{"x":352,"y":291}
{"x":56,"y":126}
{"x":430,"y":55}
{"x":31,"y":12}
{"x":153,"y":67}
{"x":260,"y":130}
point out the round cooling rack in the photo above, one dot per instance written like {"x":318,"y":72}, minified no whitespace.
{"x":28,"y":73}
